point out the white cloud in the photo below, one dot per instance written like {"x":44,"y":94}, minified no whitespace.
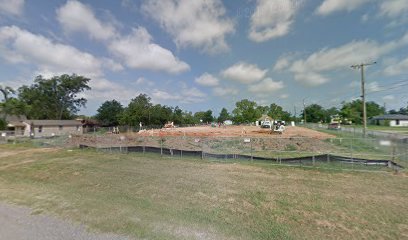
{"x":331,"y":6}
{"x":12,"y":7}
{"x":75,"y":16}
{"x":144,"y":82}
{"x":225,"y":91}
{"x":20,"y":46}
{"x":112,"y":65}
{"x":373,"y":87}
{"x":388,"y":98}
{"x":137,"y":51}
{"x":394,"y":8}
{"x":207,"y":80}
{"x":200,"y":23}
{"x":284,"y":96}
{"x":310,"y":71}
{"x":282,"y":63}
{"x":244,"y":73}
{"x":397,"y":68}
{"x":272,"y":19}
{"x":266,"y":86}
{"x":103,"y":89}
{"x":186,"y":95}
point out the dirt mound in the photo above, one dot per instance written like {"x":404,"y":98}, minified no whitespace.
{"x":234,"y":131}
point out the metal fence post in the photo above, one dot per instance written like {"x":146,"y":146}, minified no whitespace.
{"x":161,"y":146}
{"x":252,"y":157}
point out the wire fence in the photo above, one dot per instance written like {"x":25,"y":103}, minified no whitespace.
{"x":344,"y":153}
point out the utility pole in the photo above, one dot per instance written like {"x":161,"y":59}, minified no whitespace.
{"x":361,"y":67}
{"x":294,"y":107}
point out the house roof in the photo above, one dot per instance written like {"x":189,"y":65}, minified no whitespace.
{"x":14,"y":118}
{"x":54,"y":122}
{"x":264,"y":116}
{"x":391,"y":117}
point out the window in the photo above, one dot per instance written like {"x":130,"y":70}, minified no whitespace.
{"x":60,"y":127}
{"x":40,"y":128}
{"x":397,"y":122}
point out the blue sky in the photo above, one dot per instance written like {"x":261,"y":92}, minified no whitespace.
{"x":208,"y":54}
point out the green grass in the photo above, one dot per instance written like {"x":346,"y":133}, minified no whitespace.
{"x":149,"y":197}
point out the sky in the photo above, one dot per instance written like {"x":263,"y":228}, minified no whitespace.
{"x":209,"y":54}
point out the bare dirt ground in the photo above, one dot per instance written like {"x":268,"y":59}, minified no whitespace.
{"x":214,"y":139}
{"x":235,"y":131}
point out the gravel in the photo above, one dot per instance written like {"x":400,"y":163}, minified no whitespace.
{"x":18,"y":223}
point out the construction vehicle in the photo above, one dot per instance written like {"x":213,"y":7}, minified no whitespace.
{"x":169,"y":125}
{"x":278,"y":126}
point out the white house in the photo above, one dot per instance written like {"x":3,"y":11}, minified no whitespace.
{"x":392,"y":120}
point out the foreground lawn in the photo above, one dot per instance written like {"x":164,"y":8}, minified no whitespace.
{"x":160,"y":198}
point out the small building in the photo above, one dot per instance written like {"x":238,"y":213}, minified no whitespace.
{"x":392,"y":120}
{"x":227,"y":122}
{"x":15,"y":124}
{"x":49,"y":128}
{"x":262,"y":119}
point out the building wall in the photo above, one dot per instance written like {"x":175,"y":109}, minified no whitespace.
{"x":48,"y":131}
{"x":402,"y":123}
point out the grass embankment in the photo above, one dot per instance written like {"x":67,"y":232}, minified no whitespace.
{"x":159,"y":198}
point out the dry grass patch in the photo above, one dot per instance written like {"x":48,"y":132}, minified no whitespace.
{"x":159,"y":198}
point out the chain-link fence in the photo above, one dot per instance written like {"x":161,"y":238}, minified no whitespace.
{"x":338,"y":152}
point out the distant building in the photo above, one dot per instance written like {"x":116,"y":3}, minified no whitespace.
{"x":228,"y":122}
{"x":262,"y":119}
{"x":15,"y":124}
{"x":392,"y":120}
{"x":47,"y":128}
{"x":21,"y":126}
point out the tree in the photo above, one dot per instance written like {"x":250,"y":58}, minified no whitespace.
{"x":3,"y":124}
{"x":331,"y":112}
{"x":277,"y":112}
{"x":138,"y":110}
{"x":6,"y":104}
{"x":224,"y":115}
{"x":205,"y":117}
{"x":314,"y":113}
{"x":354,"y":110}
{"x":55,"y":98}
{"x":109,"y":113}
{"x":6,"y":91}
{"x":245,"y":111}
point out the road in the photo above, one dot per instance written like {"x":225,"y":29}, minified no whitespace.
{"x":18,"y":223}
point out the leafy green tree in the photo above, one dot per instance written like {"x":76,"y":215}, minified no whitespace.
{"x":314,"y":113}
{"x":3,"y":124}
{"x":224,"y":115}
{"x":109,"y":112}
{"x":6,"y":105}
{"x":188,"y":118}
{"x":354,"y":110}
{"x":331,"y":112}
{"x":138,"y":110}
{"x":6,"y":91}
{"x":277,"y":112}
{"x":205,"y":117}
{"x":262,"y":109}
{"x":159,"y":115}
{"x":177,"y":117}
{"x":246,"y":111}
{"x":55,"y":98}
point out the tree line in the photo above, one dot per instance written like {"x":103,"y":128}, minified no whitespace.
{"x":61,"y":97}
